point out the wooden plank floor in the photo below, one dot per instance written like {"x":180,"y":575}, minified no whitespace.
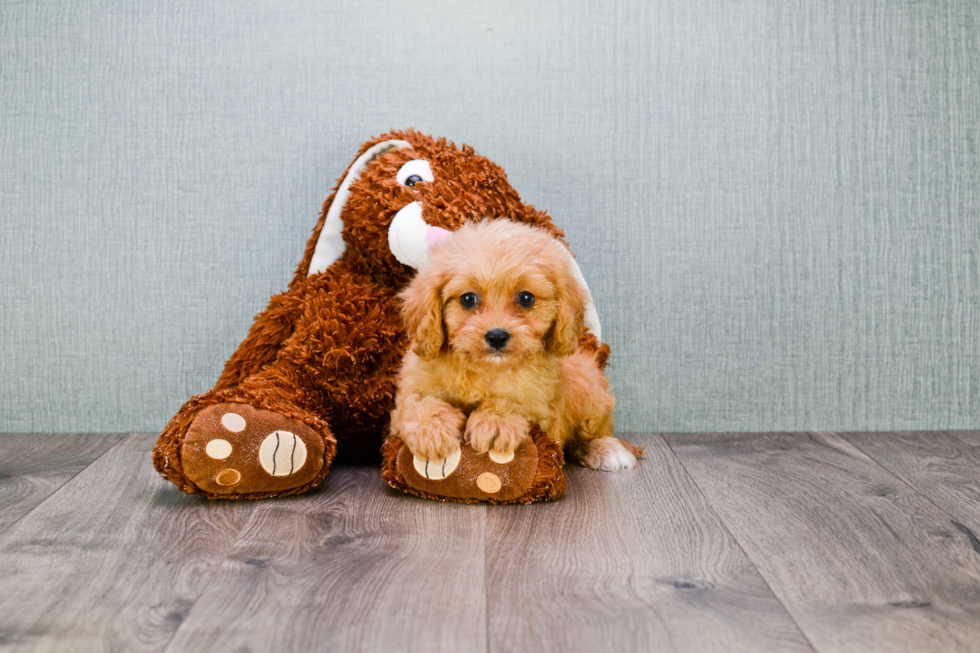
{"x":751,"y":542}
{"x":32,"y":467}
{"x":861,"y":560}
{"x":627,"y":562}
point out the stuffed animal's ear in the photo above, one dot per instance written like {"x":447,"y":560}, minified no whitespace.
{"x":327,"y":242}
{"x":570,"y":320}
{"x":591,"y":314}
{"x":422,"y":312}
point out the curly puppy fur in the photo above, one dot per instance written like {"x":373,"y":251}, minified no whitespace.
{"x":495,"y":320}
{"x":326,"y":351}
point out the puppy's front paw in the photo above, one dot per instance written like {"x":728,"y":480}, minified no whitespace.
{"x":486,"y":431}
{"x":605,"y":454}
{"x":431,"y":428}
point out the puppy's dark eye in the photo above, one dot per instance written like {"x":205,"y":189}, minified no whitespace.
{"x":412,"y":180}
{"x":525,"y":299}
{"x":468,"y":300}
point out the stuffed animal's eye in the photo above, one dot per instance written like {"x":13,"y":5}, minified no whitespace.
{"x":525,"y":299}
{"x":413,"y":172}
{"x":468,"y":300}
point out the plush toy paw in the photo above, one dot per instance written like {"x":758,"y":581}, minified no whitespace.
{"x":532,"y":472}
{"x":235,"y":449}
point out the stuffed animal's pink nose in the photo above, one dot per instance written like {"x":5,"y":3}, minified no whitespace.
{"x":435,"y":235}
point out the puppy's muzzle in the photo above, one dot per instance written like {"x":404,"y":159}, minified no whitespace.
{"x":497,"y":338}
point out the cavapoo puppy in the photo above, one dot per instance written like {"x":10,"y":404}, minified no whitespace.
{"x":495,"y":318}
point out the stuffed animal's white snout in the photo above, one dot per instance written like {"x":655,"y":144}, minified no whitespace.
{"x":410,"y":236}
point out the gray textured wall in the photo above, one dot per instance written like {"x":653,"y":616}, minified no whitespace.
{"x":777,"y":203}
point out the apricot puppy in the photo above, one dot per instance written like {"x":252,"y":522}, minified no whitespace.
{"x":495,"y":318}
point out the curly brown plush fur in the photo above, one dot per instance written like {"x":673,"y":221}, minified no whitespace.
{"x":321,"y":360}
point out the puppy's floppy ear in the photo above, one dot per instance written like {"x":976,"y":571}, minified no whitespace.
{"x":569,"y":322}
{"x":422,"y":312}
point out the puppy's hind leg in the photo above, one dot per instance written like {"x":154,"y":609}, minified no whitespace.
{"x":588,"y":413}
{"x":597,"y":448}
{"x":595,"y":445}
{"x":607,"y":454}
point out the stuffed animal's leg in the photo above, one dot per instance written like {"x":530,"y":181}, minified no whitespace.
{"x":256,"y":439}
{"x":270,"y":329}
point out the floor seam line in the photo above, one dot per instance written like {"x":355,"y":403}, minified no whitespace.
{"x":212,"y":573}
{"x":486,"y":578}
{"x":68,"y":480}
{"x":721,"y":521}
{"x":901,"y":480}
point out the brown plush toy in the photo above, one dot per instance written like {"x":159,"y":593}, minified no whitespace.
{"x":315,"y":375}
{"x":533,"y":473}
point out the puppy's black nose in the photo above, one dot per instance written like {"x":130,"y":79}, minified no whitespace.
{"x":497,"y":338}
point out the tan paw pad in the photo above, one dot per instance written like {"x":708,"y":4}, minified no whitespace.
{"x":218,"y":449}
{"x":282,"y":454}
{"x":436,"y":470}
{"x":228,"y":477}
{"x":501,"y":458}
{"x":233,"y":422}
{"x":488,"y":482}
